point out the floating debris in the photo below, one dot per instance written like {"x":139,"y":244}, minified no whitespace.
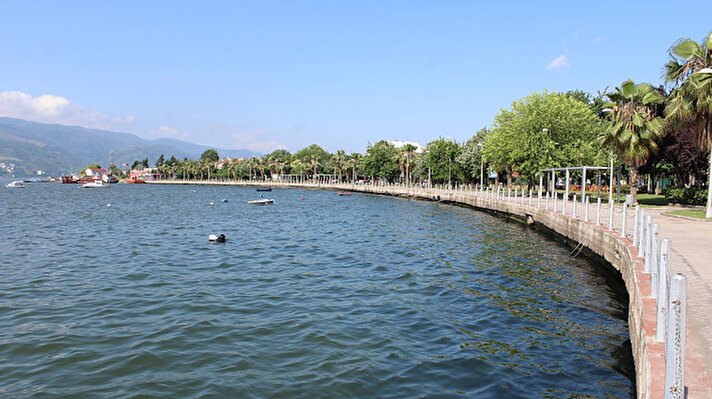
{"x":214,"y":238}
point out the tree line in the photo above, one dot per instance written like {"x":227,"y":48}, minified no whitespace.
{"x":657,"y":131}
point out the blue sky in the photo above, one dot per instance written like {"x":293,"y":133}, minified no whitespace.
{"x":264,"y":75}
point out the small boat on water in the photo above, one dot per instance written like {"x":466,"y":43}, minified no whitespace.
{"x":263,"y":201}
{"x":95,"y":184}
{"x":134,"y":180}
{"x":16,"y":184}
{"x":264,"y":188}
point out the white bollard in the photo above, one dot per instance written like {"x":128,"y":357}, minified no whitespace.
{"x":623,"y":220}
{"x":556,"y":199}
{"x":573,"y":207}
{"x":546,"y":202}
{"x":611,"y":212}
{"x":586,"y":203}
{"x":654,"y":267}
{"x":635,"y":226}
{"x":641,"y":233}
{"x":648,"y":236}
{"x":564,"y":203}
{"x":598,"y":212}
{"x":530,"y":197}
{"x":663,"y":283}
{"x":675,"y":339}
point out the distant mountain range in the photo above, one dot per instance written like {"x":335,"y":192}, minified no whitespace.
{"x":59,"y":149}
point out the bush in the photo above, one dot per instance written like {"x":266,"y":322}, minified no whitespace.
{"x":690,"y":196}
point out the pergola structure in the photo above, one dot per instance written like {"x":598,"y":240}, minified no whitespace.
{"x":583,"y":169}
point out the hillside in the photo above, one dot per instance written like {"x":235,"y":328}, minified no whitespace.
{"x":58,"y":149}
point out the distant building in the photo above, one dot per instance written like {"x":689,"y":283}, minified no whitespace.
{"x":145,"y":174}
{"x":96,"y":173}
{"x":224,"y":162}
{"x":399,"y":144}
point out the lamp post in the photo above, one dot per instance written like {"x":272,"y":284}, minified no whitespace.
{"x":482,"y":165}
{"x":551,"y":179}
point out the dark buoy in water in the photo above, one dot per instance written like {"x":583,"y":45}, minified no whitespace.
{"x":225,"y":200}
{"x":214,"y":238}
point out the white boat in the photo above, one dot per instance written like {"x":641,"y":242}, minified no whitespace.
{"x":95,"y":184}
{"x":263,"y":201}
{"x":16,"y":184}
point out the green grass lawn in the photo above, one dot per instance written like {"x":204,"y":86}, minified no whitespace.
{"x":652,"y":200}
{"x":690,"y":213}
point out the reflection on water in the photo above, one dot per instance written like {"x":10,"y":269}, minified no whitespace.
{"x":359,"y":296}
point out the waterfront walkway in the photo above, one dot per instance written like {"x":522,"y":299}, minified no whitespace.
{"x":691,"y":255}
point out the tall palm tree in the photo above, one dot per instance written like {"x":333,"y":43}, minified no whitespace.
{"x":406,"y":154}
{"x":690,"y":70}
{"x":339,"y":160}
{"x":634,"y":131}
{"x":314,"y":161}
{"x":354,"y":161}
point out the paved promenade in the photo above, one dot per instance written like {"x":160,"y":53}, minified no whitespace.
{"x":692,"y":256}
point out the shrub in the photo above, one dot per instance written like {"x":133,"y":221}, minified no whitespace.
{"x":690,"y":196}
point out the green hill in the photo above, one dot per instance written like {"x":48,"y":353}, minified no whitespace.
{"x":59,"y":149}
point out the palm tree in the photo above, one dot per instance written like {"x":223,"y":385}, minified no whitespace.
{"x":315,"y":164}
{"x":340,"y":163}
{"x":354,"y":161}
{"x":406,"y":154}
{"x":691,"y":101}
{"x":634,"y":131}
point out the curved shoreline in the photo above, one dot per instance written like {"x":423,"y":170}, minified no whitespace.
{"x":618,"y":251}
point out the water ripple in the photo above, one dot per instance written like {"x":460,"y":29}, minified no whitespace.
{"x":359,"y":296}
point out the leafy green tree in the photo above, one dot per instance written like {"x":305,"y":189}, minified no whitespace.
{"x":314,"y":156}
{"x":470,"y":158}
{"x":210,"y":155}
{"x":441,"y":158}
{"x":298,"y":167}
{"x":681,"y":152}
{"x":115,"y":171}
{"x":634,"y":132}
{"x":380,"y":161}
{"x":420,"y":169}
{"x":543,"y":130}
{"x":691,"y":70}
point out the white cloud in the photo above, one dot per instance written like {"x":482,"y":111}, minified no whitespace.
{"x":167,"y":131}
{"x":49,"y":108}
{"x":559,"y":62}
{"x":255,"y":141}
